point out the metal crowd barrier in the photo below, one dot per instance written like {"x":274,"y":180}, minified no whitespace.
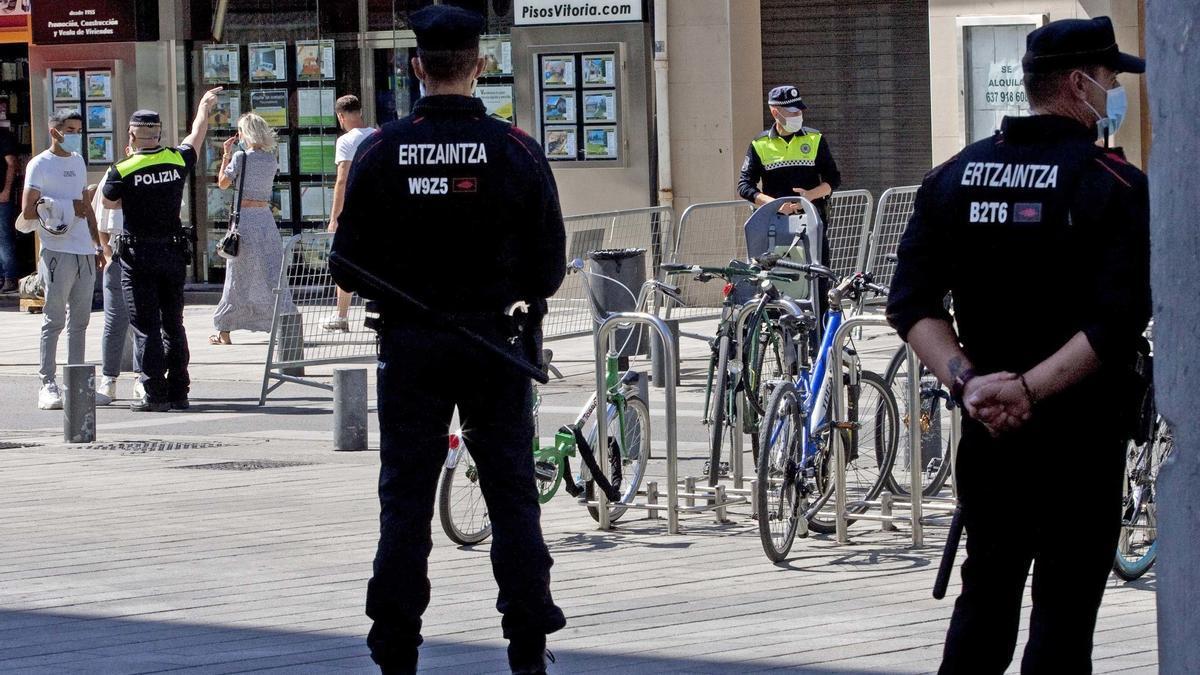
{"x":708,"y":234}
{"x":305,"y":299}
{"x":848,"y":230}
{"x":891,"y":217}
{"x":711,"y":233}
{"x":569,"y":313}
{"x":916,"y":503}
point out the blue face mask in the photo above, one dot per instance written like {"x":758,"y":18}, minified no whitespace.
{"x":1116,"y":105}
{"x":72,"y":142}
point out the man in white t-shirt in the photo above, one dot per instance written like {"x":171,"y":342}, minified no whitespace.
{"x":55,"y":199}
{"x":350,"y":119}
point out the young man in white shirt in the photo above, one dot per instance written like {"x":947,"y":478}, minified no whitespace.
{"x":68,"y":263}
{"x":350,"y":119}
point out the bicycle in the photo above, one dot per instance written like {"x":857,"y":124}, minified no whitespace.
{"x":462,"y":510}
{"x":1137,"y":547}
{"x":795,"y":480}
{"x":724,"y":384}
{"x":934,"y":421}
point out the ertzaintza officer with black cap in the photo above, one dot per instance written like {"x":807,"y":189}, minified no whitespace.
{"x":451,"y":217}
{"x":1042,"y":239}
{"x":148,"y":187}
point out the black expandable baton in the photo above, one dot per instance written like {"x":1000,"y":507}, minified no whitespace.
{"x":948,"y":554}
{"x":338,"y":260}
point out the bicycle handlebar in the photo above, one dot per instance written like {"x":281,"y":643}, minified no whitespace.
{"x":728,"y":273}
{"x":814,"y":269}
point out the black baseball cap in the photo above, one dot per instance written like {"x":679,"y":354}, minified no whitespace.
{"x":1077,"y":42}
{"x":145,"y":118}
{"x":446,"y":27}
{"x":786,"y":96}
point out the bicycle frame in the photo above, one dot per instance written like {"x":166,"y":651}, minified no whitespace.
{"x":564,"y":442}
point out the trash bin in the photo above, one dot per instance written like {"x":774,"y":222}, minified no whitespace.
{"x":617,"y":276}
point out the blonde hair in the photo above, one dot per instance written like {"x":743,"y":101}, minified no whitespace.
{"x":256,"y":132}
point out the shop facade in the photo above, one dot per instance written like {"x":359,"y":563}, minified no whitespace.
{"x":604,"y":85}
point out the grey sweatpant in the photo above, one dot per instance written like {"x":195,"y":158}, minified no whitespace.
{"x":116,"y":338}
{"x":69,"y":279}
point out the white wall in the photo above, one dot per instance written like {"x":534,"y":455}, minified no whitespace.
{"x":715,"y":53}
{"x":944,"y":78}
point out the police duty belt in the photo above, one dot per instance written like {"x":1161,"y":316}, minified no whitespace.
{"x":338,"y":260}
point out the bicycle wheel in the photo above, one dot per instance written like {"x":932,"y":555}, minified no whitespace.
{"x":776,"y":495}
{"x":720,"y":428}
{"x":627,"y":458}
{"x":1137,"y":546}
{"x":461,"y":507}
{"x":935,"y":421}
{"x":767,"y":363}
{"x":870,"y":448}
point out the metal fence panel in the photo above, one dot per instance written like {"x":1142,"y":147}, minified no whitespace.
{"x":298,"y":336}
{"x":708,"y":234}
{"x":644,"y":228}
{"x":895,"y":208}
{"x":848,"y":230}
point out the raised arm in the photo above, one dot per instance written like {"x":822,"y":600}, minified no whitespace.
{"x":200,"y":124}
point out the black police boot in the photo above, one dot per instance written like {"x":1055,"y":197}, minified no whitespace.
{"x":527,"y":655}
{"x":146,"y":405}
{"x":180,"y":404}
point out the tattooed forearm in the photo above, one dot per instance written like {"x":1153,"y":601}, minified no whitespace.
{"x":957,"y":366}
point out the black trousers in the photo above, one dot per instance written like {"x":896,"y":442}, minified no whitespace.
{"x":152,"y":277}
{"x":424,"y":373}
{"x":1047,"y":496}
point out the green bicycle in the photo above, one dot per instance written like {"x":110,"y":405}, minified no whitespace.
{"x":461,"y":506}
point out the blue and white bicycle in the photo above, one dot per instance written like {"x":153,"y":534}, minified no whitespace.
{"x":795,"y":461}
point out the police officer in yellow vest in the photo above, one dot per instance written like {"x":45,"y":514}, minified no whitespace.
{"x":791,"y":160}
{"x":148,"y":187}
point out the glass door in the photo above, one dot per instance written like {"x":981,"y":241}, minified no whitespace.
{"x":395,"y":87}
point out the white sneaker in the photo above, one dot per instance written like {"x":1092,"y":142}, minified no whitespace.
{"x":337,"y":324}
{"x":139,"y":391}
{"x":107,"y":391}
{"x":50,"y":398}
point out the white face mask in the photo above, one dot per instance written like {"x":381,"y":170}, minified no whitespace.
{"x":792,"y":124}
{"x":1116,"y":105}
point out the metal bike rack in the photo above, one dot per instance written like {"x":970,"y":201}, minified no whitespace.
{"x":602,"y":337}
{"x":916,"y":503}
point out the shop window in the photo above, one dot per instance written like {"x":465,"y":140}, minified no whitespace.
{"x":991,"y":51}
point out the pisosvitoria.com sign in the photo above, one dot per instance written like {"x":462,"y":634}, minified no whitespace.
{"x":531,"y":12}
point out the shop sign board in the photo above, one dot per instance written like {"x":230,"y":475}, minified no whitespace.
{"x":547,"y":12}
{"x":84,"y":21}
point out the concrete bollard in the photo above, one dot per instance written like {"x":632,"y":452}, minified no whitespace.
{"x":659,"y":369}
{"x":349,"y":409}
{"x":79,"y":403}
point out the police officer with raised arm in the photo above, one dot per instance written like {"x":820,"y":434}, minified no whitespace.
{"x":147,"y":187}
{"x":459,"y":213}
{"x":1041,"y":236}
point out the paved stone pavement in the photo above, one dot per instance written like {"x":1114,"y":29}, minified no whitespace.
{"x":121,"y":561}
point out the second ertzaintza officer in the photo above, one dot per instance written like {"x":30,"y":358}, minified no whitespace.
{"x":460,"y":212}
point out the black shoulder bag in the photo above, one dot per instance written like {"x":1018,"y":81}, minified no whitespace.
{"x":232,"y":241}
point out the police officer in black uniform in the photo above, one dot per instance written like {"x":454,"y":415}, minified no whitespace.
{"x":148,"y":187}
{"x":1042,"y":238}
{"x":460,"y":212}
{"x":791,"y":160}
